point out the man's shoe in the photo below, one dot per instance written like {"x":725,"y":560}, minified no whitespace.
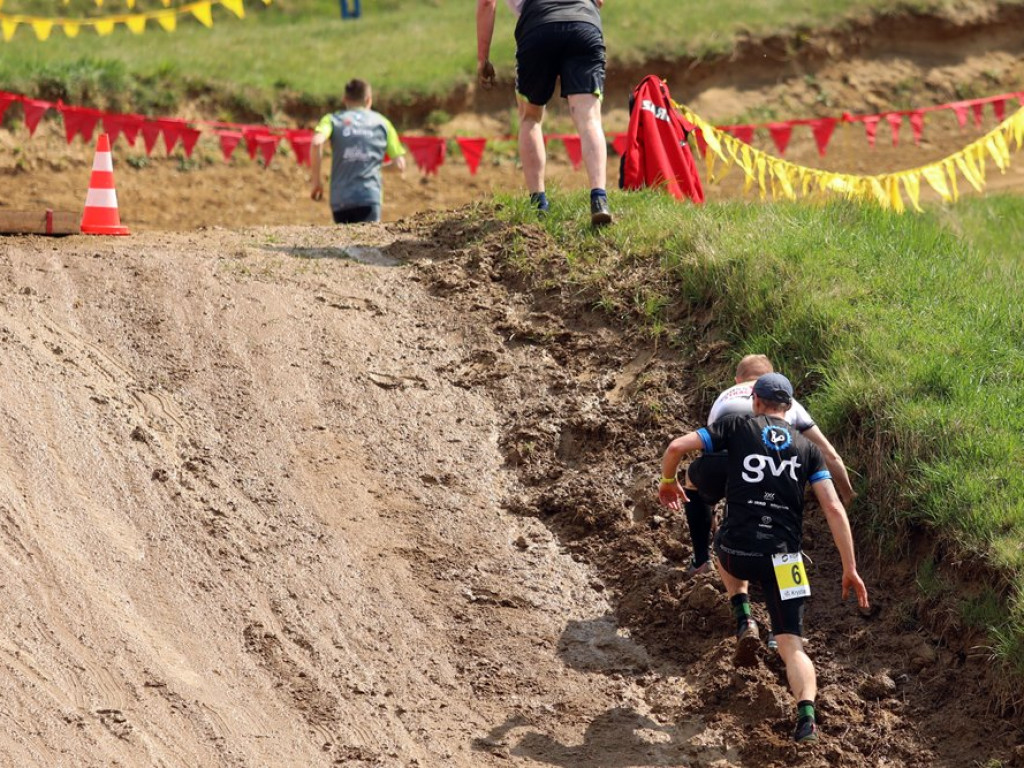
{"x":696,"y":570}
{"x":806,"y":731}
{"x":600,"y":213}
{"x":748,"y":640}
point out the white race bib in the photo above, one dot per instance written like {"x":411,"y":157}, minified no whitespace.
{"x":790,"y":573}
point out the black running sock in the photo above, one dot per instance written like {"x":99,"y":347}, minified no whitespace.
{"x":698,"y":518}
{"x":597,"y":192}
{"x":740,"y":609}
{"x":539,"y":200}
{"x":804,"y":709}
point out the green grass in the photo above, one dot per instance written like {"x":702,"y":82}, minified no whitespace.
{"x":302,"y":51}
{"x":903,"y":333}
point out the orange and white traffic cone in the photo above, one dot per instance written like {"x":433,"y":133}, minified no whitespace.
{"x":100,"y":216}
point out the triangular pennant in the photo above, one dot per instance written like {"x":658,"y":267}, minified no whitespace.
{"x":189,"y":137}
{"x":167,"y":19}
{"x":42,"y":28}
{"x":6,"y":99}
{"x":950,"y":168}
{"x":871,"y":127}
{"x":171,"y":130}
{"x":999,"y":109}
{"x":895,"y":120}
{"x":71,"y":28}
{"x":9,"y":27}
{"x":137,"y":23}
{"x":79,"y":120}
{"x":301,"y":141}
{"x":936,"y":178}
{"x":150,"y":130}
{"x":976,"y":108}
{"x":574,"y":149}
{"x":202,"y":13}
{"x":781,"y":133}
{"x":917,"y":124}
{"x":744,"y":133}
{"x":619,"y":143}
{"x":235,"y":6}
{"x":427,"y":151}
{"x":228,"y":141}
{"x":960,"y":109}
{"x":104,"y":27}
{"x":252,"y":134}
{"x":912,"y":184}
{"x":34,"y":110}
{"x":472,"y":152}
{"x":822,"y":130}
{"x":268,"y":147}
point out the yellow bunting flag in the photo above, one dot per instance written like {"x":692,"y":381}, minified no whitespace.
{"x":202,"y":13}
{"x":782,"y":179}
{"x":8,"y":26}
{"x":167,"y":19}
{"x":42,"y":28}
{"x":104,"y":27}
{"x":235,"y":6}
{"x":71,"y":28}
{"x":137,"y":24}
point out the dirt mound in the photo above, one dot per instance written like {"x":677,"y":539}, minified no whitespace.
{"x":310,"y":496}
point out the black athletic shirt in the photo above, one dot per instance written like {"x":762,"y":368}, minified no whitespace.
{"x":537,"y":12}
{"x":770,"y":464}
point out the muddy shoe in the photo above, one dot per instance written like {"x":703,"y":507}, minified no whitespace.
{"x":806,"y":731}
{"x":771,"y":642}
{"x":696,"y":570}
{"x":600,"y":213}
{"x":748,"y":640}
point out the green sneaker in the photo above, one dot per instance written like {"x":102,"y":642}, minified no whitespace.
{"x":806,"y":731}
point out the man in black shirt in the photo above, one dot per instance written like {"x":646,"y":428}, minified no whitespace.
{"x":770,"y":465}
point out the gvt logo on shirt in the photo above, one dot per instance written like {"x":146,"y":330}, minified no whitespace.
{"x":776,"y":438}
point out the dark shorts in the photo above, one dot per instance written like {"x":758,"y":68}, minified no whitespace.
{"x":571,"y":50}
{"x":787,"y":615}
{"x":708,"y":473}
{"x":357,"y":215}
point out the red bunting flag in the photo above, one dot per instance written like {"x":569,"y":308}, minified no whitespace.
{"x":822,"y":130}
{"x":781,"y":133}
{"x":702,"y":145}
{"x":150,"y":130}
{"x":189,"y":137}
{"x":895,"y":120}
{"x":6,"y":99}
{"x":427,"y":151}
{"x":960,"y":108}
{"x":228,"y":141}
{"x":744,"y":133}
{"x":917,"y":124}
{"x":301,"y":141}
{"x":267,"y":143}
{"x":871,"y":127}
{"x":472,"y":152}
{"x":34,"y":111}
{"x":976,"y":108}
{"x":998,"y":109}
{"x":574,"y":149}
{"x":78,"y":120}
{"x":171,"y":129}
{"x":619,"y":143}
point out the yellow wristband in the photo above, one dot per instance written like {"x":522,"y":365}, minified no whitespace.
{"x":667,"y":480}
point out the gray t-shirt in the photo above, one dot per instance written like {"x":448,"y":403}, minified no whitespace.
{"x":360,"y":138}
{"x":534,"y":13}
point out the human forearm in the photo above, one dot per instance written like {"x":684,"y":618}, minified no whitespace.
{"x":676,"y":450}
{"x":485,"y":10}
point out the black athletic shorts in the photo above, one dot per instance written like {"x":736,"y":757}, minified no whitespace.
{"x":356,"y":215}
{"x":787,"y":615}
{"x":708,"y":473}
{"x":571,"y":50}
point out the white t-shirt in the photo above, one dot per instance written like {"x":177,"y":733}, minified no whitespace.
{"x":739,"y":399}
{"x":516,"y":6}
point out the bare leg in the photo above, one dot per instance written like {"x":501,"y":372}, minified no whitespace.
{"x":799,"y":668}
{"x":585,"y":109}
{"x":531,"y":145}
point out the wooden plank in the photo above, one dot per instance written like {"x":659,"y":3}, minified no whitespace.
{"x":47,"y":222}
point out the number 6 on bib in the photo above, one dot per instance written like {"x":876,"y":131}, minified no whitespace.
{"x":790,"y":573}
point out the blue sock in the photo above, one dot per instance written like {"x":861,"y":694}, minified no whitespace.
{"x":597,"y":192}
{"x":539,"y":200}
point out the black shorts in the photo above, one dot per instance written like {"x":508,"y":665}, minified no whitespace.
{"x":708,"y":473}
{"x":357,"y":215}
{"x":571,"y":50}
{"x":787,"y":615}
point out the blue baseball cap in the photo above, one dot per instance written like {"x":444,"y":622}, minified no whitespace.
{"x":774,"y":387}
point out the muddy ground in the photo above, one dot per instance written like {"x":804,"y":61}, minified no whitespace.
{"x":275,"y":493}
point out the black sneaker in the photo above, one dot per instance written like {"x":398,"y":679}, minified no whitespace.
{"x":748,"y":640}
{"x":697,"y":570}
{"x":600,"y":213}
{"x":806,"y":731}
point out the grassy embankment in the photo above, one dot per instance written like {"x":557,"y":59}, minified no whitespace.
{"x":300,"y":52}
{"x":903,"y":333}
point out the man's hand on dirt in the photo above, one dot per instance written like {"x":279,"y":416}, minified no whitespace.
{"x":485,"y":73}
